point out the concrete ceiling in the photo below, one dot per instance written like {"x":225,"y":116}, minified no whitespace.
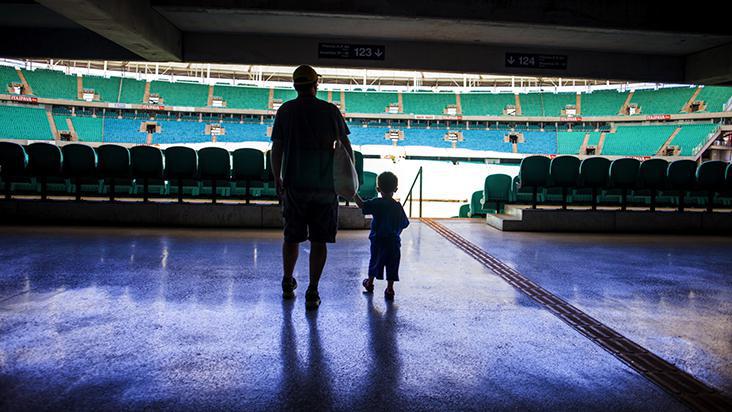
{"x":620,"y":39}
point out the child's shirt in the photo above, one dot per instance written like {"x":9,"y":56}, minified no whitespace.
{"x":388,"y":220}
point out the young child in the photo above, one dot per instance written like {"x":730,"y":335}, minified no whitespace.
{"x":388,"y":222}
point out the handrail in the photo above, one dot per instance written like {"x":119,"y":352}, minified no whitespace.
{"x":410,"y":196}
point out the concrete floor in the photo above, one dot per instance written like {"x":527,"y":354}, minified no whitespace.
{"x":173,"y":319}
{"x":670,"y":294}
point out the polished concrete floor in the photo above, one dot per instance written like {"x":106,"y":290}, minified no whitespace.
{"x":110,"y":319}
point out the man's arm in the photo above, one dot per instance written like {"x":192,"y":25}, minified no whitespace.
{"x":358,"y":200}
{"x":276,"y":161}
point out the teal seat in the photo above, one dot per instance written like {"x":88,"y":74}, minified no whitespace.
{"x":681,"y":177}
{"x":80,"y":166}
{"x":534,"y":174}
{"x":115,"y":169}
{"x":13,"y":166}
{"x":710,"y":177}
{"x":476,"y":204}
{"x":181,"y":170}
{"x":651,"y":179}
{"x":564,"y":173}
{"x":464,"y":211}
{"x":45,"y":162}
{"x":247,"y":168}
{"x":148,"y":166}
{"x":497,"y":192}
{"x":367,"y":190}
{"x":520,"y":194}
{"x":214,"y":169}
{"x":624,"y":177}
{"x":594,"y":174}
{"x":268,"y":188}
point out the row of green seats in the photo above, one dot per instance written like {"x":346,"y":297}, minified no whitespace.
{"x":567,"y":179}
{"x":43,"y":168}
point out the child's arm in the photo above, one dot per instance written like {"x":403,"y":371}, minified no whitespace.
{"x":358,"y":200}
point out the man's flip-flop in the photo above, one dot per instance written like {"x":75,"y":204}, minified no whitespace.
{"x":368,"y":286}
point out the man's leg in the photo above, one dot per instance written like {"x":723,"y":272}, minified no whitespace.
{"x":290,"y":252}
{"x":318,"y":256}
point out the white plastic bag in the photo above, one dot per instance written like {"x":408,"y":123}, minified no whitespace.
{"x":345,"y":177}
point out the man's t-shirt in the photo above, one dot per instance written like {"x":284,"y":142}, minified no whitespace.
{"x":388,"y":220}
{"x":307,"y":127}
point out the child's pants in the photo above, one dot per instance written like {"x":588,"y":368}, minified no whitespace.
{"x":385,"y":254}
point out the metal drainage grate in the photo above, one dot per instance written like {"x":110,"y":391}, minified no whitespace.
{"x":675,"y":381}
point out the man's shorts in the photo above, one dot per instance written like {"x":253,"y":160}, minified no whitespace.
{"x":310,"y":216}
{"x":385,"y":255}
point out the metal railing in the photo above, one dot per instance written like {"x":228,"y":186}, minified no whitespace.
{"x":410,"y":194}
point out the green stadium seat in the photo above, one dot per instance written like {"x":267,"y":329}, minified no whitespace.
{"x":148,"y":164}
{"x":594,"y":174}
{"x":214,"y":166}
{"x":476,"y":205}
{"x":80,"y":165}
{"x":624,"y":177}
{"x":181,"y":167}
{"x":534,"y":174}
{"x":13,"y":166}
{"x":115,"y":169}
{"x":247,"y":168}
{"x":497,"y":192}
{"x":564,"y":173}
{"x":651,"y":179}
{"x":519,"y":194}
{"x":367,"y":190}
{"x":45,"y":161}
{"x":710,"y":178}
{"x":464,"y":211}
{"x":681,"y":177}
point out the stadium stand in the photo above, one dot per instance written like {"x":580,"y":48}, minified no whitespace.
{"x":662,"y":101}
{"x":7,"y":75}
{"x":123,"y":131}
{"x":426,"y":103}
{"x":602,"y":103}
{"x":552,"y":104}
{"x":180,"y":93}
{"x":133,"y":91}
{"x":486,"y":104}
{"x":532,"y":104}
{"x":538,"y":143}
{"x":368,"y":135}
{"x":569,"y":142}
{"x":425,"y":137}
{"x":636,"y":140}
{"x":369,"y":102}
{"x":285,"y":94}
{"x":715,"y":97}
{"x":17,"y":122}
{"x":491,"y":140}
{"x":239,"y":97}
{"x":692,"y":136}
{"x":108,"y":90}
{"x":176,"y":132}
{"x":238,"y":132}
{"x":52,"y":84}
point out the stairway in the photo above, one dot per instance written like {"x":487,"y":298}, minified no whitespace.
{"x":72,"y":130}
{"x":624,"y":107}
{"x":458,"y":104}
{"x":146,"y":96}
{"x":598,"y":151}
{"x":270,"y":99}
{"x":26,"y":86}
{"x":52,"y":123}
{"x":578,"y":105}
{"x":662,"y":150}
{"x":518,"y":105}
{"x":343,"y":101}
{"x":583,"y":147}
{"x":210,"y":95}
{"x":692,"y":99}
{"x":400,"y":102}
{"x":79,"y":87}
{"x":514,"y":147}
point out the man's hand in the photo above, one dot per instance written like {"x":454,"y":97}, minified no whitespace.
{"x":358,"y":200}
{"x":278,"y":187}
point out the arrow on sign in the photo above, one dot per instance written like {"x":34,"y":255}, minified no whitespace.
{"x":511,"y":60}
{"x":378,"y":53}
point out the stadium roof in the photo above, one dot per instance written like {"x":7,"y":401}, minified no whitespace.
{"x":613,"y":39}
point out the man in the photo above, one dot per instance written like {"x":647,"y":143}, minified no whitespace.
{"x":303,"y":137}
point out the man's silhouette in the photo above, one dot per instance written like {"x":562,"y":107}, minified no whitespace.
{"x":303,"y":137}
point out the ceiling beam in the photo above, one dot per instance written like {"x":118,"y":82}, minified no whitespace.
{"x":131,"y":24}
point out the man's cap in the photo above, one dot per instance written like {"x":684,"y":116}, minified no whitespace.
{"x":304,"y":74}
